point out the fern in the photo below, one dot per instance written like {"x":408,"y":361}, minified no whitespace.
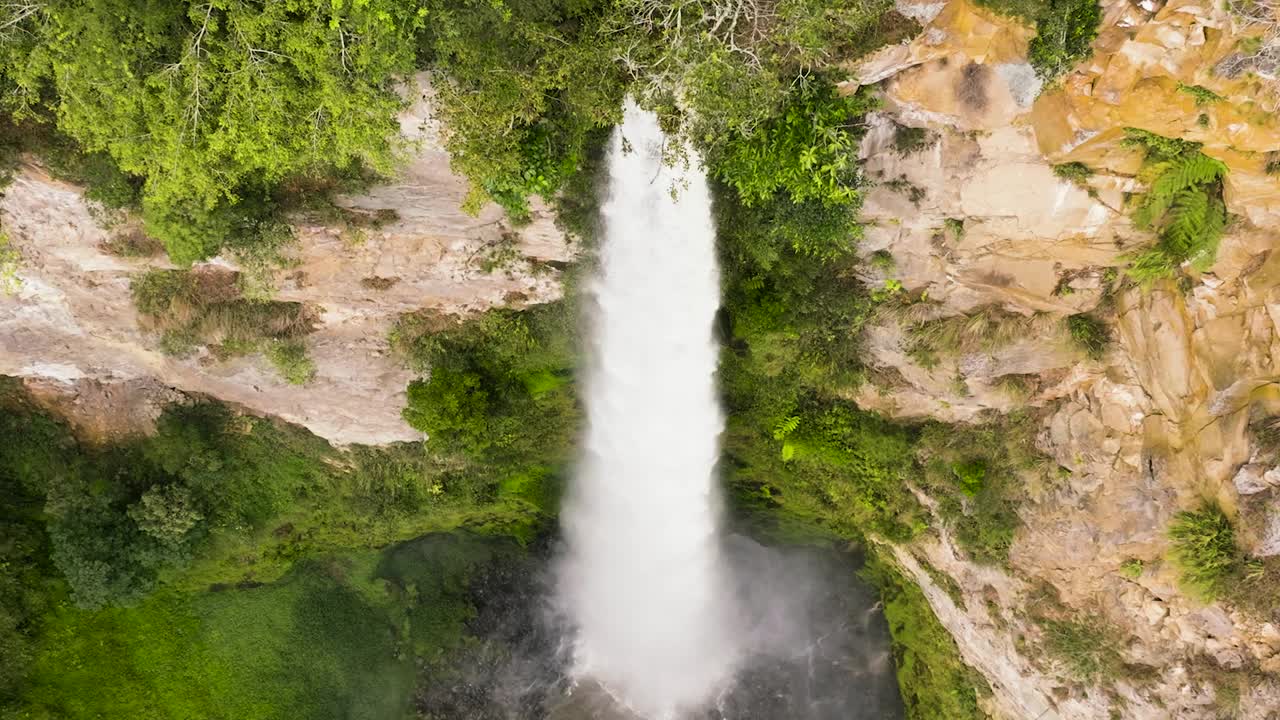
{"x":1175,"y":177}
{"x":1183,"y":206}
{"x":1147,"y":266}
{"x":785,"y":427}
{"x":1203,"y":255}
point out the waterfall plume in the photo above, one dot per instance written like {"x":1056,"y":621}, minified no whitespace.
{"x":643,"y":580}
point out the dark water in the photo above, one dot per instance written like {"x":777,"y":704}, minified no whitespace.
{"x":822,"y":646}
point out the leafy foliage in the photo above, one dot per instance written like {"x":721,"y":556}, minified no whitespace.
{"x":809,"y":153}
{"x":27,"y":589}
{"x":102,"y":178}
{"x":732,"y":66}
{"x":289,"y":358}
{"x":1075,"y":172}
{"x":971,"y":474}
{"x":497,"y":387}
{"x":1065,"y":30}
{"x":214,"y":102}
{"x":215,"y":497}
{"x":976,"y":474}
{"x":522,"y":85}
{"x":1202,"y":94}
{"x":1183,"y":205}
{"x":166,"y":513}
{"x":1132,"y":568}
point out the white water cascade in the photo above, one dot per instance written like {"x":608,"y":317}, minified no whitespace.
{"x":644,"y":581}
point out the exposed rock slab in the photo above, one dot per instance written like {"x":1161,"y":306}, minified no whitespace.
{"x":72,"y":324}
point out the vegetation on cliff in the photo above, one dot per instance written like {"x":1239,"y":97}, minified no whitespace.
{"x":1065,"y":30}
{"x":212,"y":105}
{"x":1183,"y":205}
{"x":205,"y":117}
{"x":243,"y":563}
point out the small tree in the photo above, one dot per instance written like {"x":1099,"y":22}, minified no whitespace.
{"x":452,"y":407}
{"x":166,"y":513}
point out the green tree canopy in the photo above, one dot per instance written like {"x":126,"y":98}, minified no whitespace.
{"x":209,"y":101}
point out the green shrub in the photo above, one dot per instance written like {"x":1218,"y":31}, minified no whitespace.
{"x":31,"y":457}
{"x":523,"y":88}
{"x":1065,"y":30}
{"x":453,"y":407}
{"x":970,"y":474}
{"x":1132,"y":568}
{"x":1202,"y":95}
{"x":809,"y":153}
{"x":498,"y":386}
{"x":1204,"y":547}
{"x":216,"y":497}
{"x":974,"y":473}
{"x":65,"y":159}
{"x":192,"y":231}
{"x":203,"y":105}
{"x":166,"y":513}
{"x":883,"y":261}
{"x":1075,"y":172}
{"x":1089,"y":334}
{"x":289,"y":358}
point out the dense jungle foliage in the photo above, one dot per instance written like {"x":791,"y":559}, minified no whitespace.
{"x":233,"y":566}
{"x":230,"y":566}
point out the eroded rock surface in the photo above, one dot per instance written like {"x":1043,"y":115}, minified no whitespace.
{"x":977,"y":219}
{"x":70,"y":322}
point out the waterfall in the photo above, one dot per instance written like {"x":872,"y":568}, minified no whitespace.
{"x":643,"y":581}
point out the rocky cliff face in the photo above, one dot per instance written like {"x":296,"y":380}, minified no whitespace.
{"x":71,"y":328}
{"x":976,"y":220}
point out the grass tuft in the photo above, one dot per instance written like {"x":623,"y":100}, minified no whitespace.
{"x":1076,"y":172}
{"x":206,"y":306}
{"x":1089,"y":334}
{"x":1204,"y":546}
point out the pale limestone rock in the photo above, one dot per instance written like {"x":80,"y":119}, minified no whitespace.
{"x":1155,"y":612}
{"x":1250,"y":479}
{"x":1269,"y":542}
{"x":72,"y":319}
{"x":1158,"y":424}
